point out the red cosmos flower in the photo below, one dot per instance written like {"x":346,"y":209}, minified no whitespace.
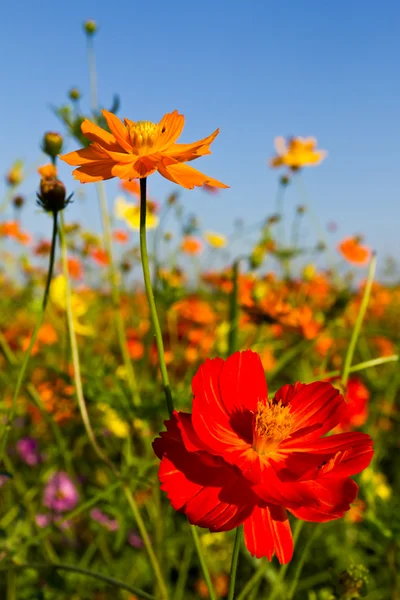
{"x":242,"y":458}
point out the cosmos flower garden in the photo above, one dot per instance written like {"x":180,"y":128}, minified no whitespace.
{"x":173,"y":429}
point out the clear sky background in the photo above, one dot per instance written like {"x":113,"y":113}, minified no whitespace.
{"x":256,"y":70}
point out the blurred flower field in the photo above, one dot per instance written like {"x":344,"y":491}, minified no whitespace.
{"x":188,"y":414}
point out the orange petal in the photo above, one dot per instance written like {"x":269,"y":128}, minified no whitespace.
{"x":185,"y":152}
{"x":170,"y":126}
{"x":82,"y":157}
{"x":94,"y":133}
{"x":186,"y":176}
{"x":118,"y":130}
{"x":95,"y":171}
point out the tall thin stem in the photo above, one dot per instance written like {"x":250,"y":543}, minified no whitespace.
{"x":203,"y":563}
{"x":75,"y":354}
{"x":150,"y":297}
{"x":234,"y":310}
{"x":24,"y":366}
{"x":360,"y":317}
{"x":92,"y":73}
{"x":234,"y":563}
{"x":147,"y":543}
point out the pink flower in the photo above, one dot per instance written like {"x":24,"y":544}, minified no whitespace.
{"x":28,"y":451}
{"x":60,"y":494}
{"x":111,"y":524}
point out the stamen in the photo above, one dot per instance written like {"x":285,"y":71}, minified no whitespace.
{"x":271,"y":424}
{"x":143,"y":135}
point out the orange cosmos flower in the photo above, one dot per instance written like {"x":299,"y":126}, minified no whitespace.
{"x":191,"y":245}
{"x":12,"y":229}
{"x":48,"y":171}
{"x":100,"y":256}
{"x":297,"y":152}
{"x":132,"y":187}
{"x":354,"y":252}
{"x":75,"y":268}
{"x":137,"y":149}
{"x":120,"y":236}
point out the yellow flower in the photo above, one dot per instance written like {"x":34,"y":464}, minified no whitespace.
{"x":15,"y":175}
{"x":297,"y":152}
{"x":113,"y":421}
{"x":58,"y":295}
{"x":130,"y":213}
{"x":216,"y":240}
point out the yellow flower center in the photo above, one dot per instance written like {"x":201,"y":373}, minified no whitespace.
{"x":271,"y":424}
{"x":143,"y":135}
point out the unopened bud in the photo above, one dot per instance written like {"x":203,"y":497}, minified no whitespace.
{"x":18,"y":202}
{"x":52,"y":197}
{"x":320,"y":247}
{"x":301,"y":209}
{"x":74,"y":94}
{"x":285,"y":180}
{"x":172,"y":198}
{"x":52,"y":144}
{"x":90,"y":27}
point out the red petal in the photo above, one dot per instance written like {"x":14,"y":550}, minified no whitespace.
{"x":335,"y":496}
{"x":267,"y":531}
{"x":209,"y":491}
{"x":317,"y":403}
{"x":242,"y":382}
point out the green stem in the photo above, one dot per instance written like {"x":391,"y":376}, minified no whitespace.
{"x":116,"y":297}
{"x":183,"y":573}
{"x":92,"y":73}
{"x":374,"y":362}
{"x":234,"y":563}
{"x":279,"y":210}
{"x":300,"y":565}
{"x":75,"y":355}
{"x":360,"y":317}
{"x":147,"y":543}
{"x":150,"y":297}
{"x":234,"y":310}
{"x":11,"y":585}
{"x":203,"y":563}
{"x":73,"y":569}
{"x":13,"y":410}
{"x":252,"y":582}
{"x":277,"y":588}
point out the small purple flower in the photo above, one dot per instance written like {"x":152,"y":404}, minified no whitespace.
{"x":42,"y":520}
{"x":135,"y":540}
{"x":111,"y":524}
{"x":28,"y":451}
{"x":60,"y":493}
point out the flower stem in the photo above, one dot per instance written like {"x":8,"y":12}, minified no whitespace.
{"x":147,"y":543}
{"x":300,"y":564}
{"x":75,"y":355}
{"x":234,"y":310}
{"x":234,"y":563}
{"x":13,"y":410}
{"x":360,"y":317}
{"x":203,"y":563}
{"x":150,"y":297}
{"x":74,"y":569}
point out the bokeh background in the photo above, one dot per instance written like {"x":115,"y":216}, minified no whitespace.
{"x":255,"y":71}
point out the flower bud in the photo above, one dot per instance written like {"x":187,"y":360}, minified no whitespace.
{"x":52,"y":197}
{"x":301,"y":209}
{"x":52,"y":144}
{"x":74,"y":94}
{"x":285,"y":180}
{"x":353,"y":582}
{"x":15,"y":176}
{"x":18,"y":202}
{"x":90,"y":27}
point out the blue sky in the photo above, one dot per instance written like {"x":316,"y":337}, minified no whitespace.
{"x":327,"y":69}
